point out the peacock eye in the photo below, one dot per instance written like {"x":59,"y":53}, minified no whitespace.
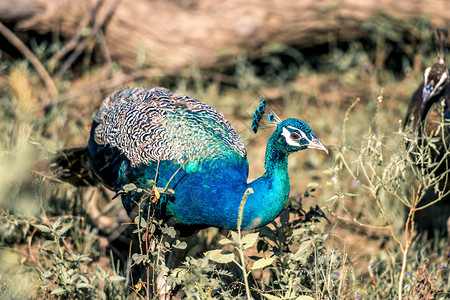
{"x":295,"y":136}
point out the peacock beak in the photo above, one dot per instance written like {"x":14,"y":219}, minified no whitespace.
{"x":427,"y":92}
{"x":315,"y":143}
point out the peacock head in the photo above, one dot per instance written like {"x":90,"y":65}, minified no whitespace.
{"x":290,"y":136}
{"x":293,"y":135}
{"x":435,"y":78}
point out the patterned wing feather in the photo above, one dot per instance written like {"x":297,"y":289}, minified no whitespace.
{"x":151,"y":124}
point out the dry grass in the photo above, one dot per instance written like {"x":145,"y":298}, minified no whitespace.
{"x":347,"y":259}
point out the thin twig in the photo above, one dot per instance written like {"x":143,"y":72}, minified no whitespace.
{"x":105,"y":51}
{"x":72,"y":57}
{"x":95,"y":31}
{"x":240,"y":248}
{"x":171,"y":178}
{"x":347,"y":114}
{"x":355,"y":220}
{"x":13,"y":39}
{"x":147,"y":233}
{"x":409,"y":233}
{"x":76,"y":38}
{"x":30,"y":240}
{"x":432,"y":202}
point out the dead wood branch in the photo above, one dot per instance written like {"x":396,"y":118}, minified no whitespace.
{"x":172,"y":34}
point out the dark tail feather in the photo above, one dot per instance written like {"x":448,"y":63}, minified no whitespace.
{"x":72,"y":166}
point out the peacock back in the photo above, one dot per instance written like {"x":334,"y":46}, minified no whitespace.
{"x":153,"y":124}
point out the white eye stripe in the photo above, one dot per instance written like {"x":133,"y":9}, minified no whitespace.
{"x":425,"y":75}
{"x":287,"y":135}
{"x":442,"y":80}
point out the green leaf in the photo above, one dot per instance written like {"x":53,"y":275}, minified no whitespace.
{"x":83,"y":279}
{"x":139,"y":258}
{"x":180,"y":245}
{"x":234,"y":236}
{"x":170,"y":231}
{"x":225,"y":242}
{"x":249,"y":240}
{"x":63,"y":230}
{"x":46,"y":244}
{"x":165,"y":191}
{"x":271,"y":297}
{"x":57,"y":223}
{"x":43,"y":228}
{"x":261,"y":263}
{"x":162,"y":269}
{"x":47,"y":274}
{"x":115,"y":278}
{"x":141,"y":221}
{"x":299,"y":231}
{"x":129,"y":187}
{"x":58,"y":291}
{"x":83,"y":285}
{"x":303,"y":248}
{"x":84,"y":259}
{"x":220,"y":256}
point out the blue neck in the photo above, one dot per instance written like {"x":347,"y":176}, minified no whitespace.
{"x":275,"y":159}
{"x":271,"y":190}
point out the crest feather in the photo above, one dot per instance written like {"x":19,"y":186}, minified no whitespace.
{"x":439,"y":39}
{"x":259,"y":113}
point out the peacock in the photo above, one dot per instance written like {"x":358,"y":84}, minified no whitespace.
{"x":184,"y":159}
{"x":429,"y":108}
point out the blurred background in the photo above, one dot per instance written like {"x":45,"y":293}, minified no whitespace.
{"x":347,"y":68}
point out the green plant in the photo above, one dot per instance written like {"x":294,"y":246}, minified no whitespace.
{"x":67,"y":274}
{"x":395,"y":180}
